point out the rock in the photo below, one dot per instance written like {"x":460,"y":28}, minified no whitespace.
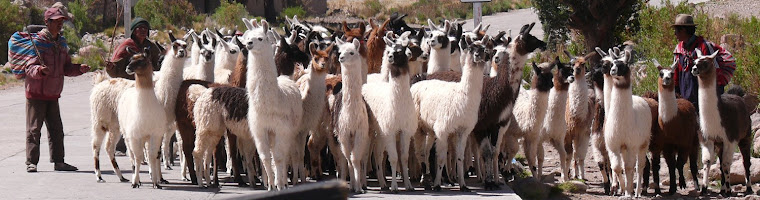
{"x":756,"y":141}
{"x":91,"y":50}
{"x":530,"y":188}
{"x":576,"y":186}
{"x":737,"y":170}
{"x":755,"y":121}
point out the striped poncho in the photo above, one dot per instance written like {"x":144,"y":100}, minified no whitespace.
{"x":21,"y":49}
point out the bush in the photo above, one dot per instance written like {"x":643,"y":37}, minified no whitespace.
{"x":72,"y":39}
{"x":161,"y":14}
{"x":82,"y":21}
{"x":293,"y":11}
{"x":10,"y":22}
{"x":229,"y":15}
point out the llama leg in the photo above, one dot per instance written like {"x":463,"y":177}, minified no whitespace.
{"x":530,"y":148}
{"x":358,"y":155}
{"x":315,"y":145}
{"x":616,"y":164}
{"x":629,"y":162}
{"x":404,"y":142}
{"x":744,"y":147}
{"x":153,"y":160}
{"x":166,"y":147}
{"x":248,"y":152}
{"x":300,"y":156}
{"x":708,"y":154}
{"x":198,"y":159}
{"x":390,"y":147}
{"x":655,"y":171}
{"x":581,"y":148}
{"x":345,"y":146}
{"x":568,"y":143}
{"x":642,"y":156}
{"x":441,"y":149}
{"x":137,"y":147}
{"x":680,"y":162}
{"x":677,"y":168}
{"x":540,"y":161}
{"x":726,"y":159}
{"x":261,"y":138}
{"x":563,"y":158}
{"x":111,"y":141}
{"x":97,"y":140}
{"x":188,"y":146}
{"x":460,"y":148}
{"x":281,"y":158}
{"x":693,"y":157}
{"x":378,"y":150}
{"x":182,"y":159}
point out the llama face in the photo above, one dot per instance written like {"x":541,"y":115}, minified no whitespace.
{"x":179,"y":47}
{"x":478,"y":50}
{"x":564,"y":74}
{"x":596,"y":75}
{"x":398,"y":58}
{"x":621,"y":71}
{"x":439,"y":38}
{"x":579,"y":69}
{"x":666,"y":75}
{"x":704,"y":65}
{"x":290,"y":53}
{"x":258,"y":39}
{"x":357,"y":33}
{"x":319,"y":58}
{"x":526,"y":42}
{"x":542,"y":77}
{"x":349,"y":52}
{"x":139,"y":63}
{"x":416,"y":46}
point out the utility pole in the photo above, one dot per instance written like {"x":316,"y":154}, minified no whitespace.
{"x":127,"y":5}
{"x":477,"y":10}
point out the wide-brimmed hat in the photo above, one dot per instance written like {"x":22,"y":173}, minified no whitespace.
{"x":54,"y":13}
{"x":684,"y":20}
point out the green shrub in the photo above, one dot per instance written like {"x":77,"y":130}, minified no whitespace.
{"x":372,"y":8}
{"x":82,"y":20}
{"x":10,"y":22}
{"x":229,"y":15}
{"x":162,"y":14}
{"x":72,"y":39}
{"x":293,"y":11}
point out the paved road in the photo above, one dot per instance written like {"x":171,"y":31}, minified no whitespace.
{"x":48,"y":184}
{"x":513,"y":20}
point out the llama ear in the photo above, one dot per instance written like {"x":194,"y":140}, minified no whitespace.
{"x":405,"y":35}
{"x":557,"y":62}
{"x":293,"y":36}
{"x":612,"y":54}
{"x":388,"y":42}
{"x":313,"y":49}
{"x":468,"y":41}
{"x":628,"y":58}
{"x":295,"y":19}
{"x":345,"y":27}
{"x":446,"y":26}
{"x":196,"y":40}
{"x":265,"y":25}
{"x":535,"y":68}
{"x":657,"y":64}
{"x":713,"y":55}
{"x":362,"y":27}
{"x":600,"y":52}
{"x":255,"y":23}
{"x":283,"y":45}
{"x":171,"y":37}
{"x":617,"y":51}
{"x":131,"y":51}
{"x":699,"y":53}
{"x":420,"y":34}
{"x":432,"y":25}
{"x":486,"y":28}
{"x":499,"y":36}
{"x":385,"y":25}
{"x":372,"y":24}
{"x":339,"y":41}
{"x":238,"y":43}
{"x":477,"y":28}
{"x":270,"y":36}
{"x":660,"y":68}
{"x":530,"y":27}
{"x":524,"y":27}
{"x":357,"y":44}
{"x":247,"y":23}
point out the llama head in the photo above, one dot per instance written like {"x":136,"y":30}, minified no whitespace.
{"x":526,"y":43}
{"x":290,"y":53}
{"x":207,"y":48}
{"x":596,"y":75}
{"x":227,"y":50}
{"x":259,"y":38}
{"x":139,"y":63}
{"x":704,"y":65}
{"x":621,"y":71}
{"x":666,"y":76}
{"x":398,"y":54}
{"x":415,"y":46}
{"x":564,"y":75}
{"x":607,"y":59}
{"x":542,"y":77}
{"x":476,"y":50}
{"x":579,"y":66}
{"x":349,"y":52}
{"x":378,"y":32}
{"x":319,"y":58}
{"x":179,"y":47}
{"x":455,"y":34}
{"x":501,"y":55}
{"x":439,"y":38}
{"x":356,"y":33}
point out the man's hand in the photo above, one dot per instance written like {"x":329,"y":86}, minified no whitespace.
{"x":84,"y":68}
{"x":44,"y":70}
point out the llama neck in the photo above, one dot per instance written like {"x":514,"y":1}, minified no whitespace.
{"x":440,"y":60}
{"x":709,"y":115}
{"x":144,"y":81}
{"x":384,"y":67}
{"x":621,"y":102}
{"x":516,"y":64}
{"x":400,"y":85}
{"x":578,"y":96}
{"x":262,"y":74}
{"x":538,"y":105}
{"x":557,"y":104}
{"x":668,"y":106}
{"x":607,"y":90}
{"x":171,"y":78}
{"x":224,"y":60}
{"x":472,"y":77}
{"x":599,"y":93}
{"x":352,"y":82}
{"x":455,"y":64}
{"x":206,"y":70}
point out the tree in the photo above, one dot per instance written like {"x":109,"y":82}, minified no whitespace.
{"x":600,"y":22}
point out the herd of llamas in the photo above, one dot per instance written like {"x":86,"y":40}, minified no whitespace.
{"x":430,"y":105}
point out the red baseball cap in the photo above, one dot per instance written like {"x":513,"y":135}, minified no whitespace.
{"x":54,"y":13}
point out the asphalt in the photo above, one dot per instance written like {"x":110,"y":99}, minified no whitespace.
{"x":74,"y":102}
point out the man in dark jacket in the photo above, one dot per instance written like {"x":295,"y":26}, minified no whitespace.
{"x":43,"y":85}
{"x":137,"y":42}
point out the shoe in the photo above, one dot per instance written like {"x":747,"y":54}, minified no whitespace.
{"x":64,"y":167}
{"x":120,"y":153}
{"x":31,"y":168}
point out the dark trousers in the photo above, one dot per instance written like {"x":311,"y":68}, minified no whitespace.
{"x":37,"y":112}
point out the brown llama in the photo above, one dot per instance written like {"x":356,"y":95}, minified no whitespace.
{"x":376,"y":46}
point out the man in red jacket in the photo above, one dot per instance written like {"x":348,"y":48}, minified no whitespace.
{"x":43,"y":85}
